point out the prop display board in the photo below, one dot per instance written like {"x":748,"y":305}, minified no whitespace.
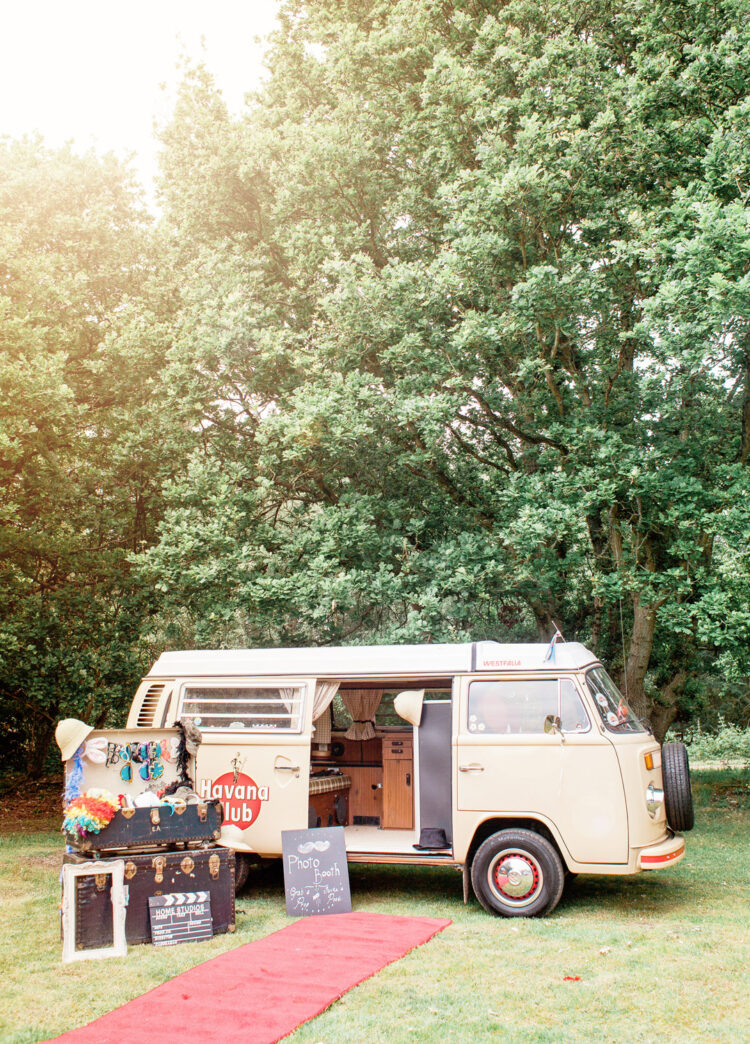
{"x":127,"y":762}
{"x":180,"y":917}
{"x":316,"y":873}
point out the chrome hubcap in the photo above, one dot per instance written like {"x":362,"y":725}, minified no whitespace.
{"x":515,"y":878}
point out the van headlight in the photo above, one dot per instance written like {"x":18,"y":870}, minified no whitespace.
{"x":654,"y":800}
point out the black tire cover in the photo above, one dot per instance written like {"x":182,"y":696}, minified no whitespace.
{"x":678,"y":797}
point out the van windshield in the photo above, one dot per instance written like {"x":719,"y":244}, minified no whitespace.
{"x":611,"y":704}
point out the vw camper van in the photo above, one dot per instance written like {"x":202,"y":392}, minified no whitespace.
{"x":516,"y":764}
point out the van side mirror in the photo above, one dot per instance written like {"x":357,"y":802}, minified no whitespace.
{"x":553,"y":724}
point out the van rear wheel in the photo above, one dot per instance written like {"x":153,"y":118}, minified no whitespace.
{"x":517,"y":873}
{"x":242,"y":866}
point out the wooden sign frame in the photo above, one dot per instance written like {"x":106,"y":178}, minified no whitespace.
{"x":115,"y":868}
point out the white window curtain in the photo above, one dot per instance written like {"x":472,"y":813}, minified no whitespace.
{"x":324,"y":693}
{"x":287,"y":698}
{"x":362,"y":704}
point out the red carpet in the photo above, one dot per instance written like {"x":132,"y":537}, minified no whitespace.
{"x":262,"y":991}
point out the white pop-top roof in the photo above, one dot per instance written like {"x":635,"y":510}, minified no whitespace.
{"x":395,"y":661}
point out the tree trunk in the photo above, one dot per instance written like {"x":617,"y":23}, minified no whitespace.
{"x":545,"y":625}
{"x":37,"y":747}
{"x":664,"y":712}
{"x":661,"y":714}
{"x":638,"y":657}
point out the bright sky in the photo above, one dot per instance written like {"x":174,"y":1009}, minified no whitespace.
{"x":94,"y":71}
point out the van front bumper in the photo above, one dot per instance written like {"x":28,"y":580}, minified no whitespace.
{"x":666,"y":853}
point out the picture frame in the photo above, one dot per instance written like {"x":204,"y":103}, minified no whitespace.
{"x":115,"y":868}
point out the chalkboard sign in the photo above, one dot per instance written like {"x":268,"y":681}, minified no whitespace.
{"x":180,"y":917}
{"x":316,"y":874}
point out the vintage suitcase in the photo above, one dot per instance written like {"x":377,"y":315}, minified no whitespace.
{"x":155,"y":873}
{"x":145,"y":827}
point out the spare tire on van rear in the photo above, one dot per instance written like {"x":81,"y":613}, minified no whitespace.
{"x":678,"y":797}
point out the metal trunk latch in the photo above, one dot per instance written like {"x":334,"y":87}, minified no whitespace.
{"x":214,"y":865}
{"x":158,"y":863}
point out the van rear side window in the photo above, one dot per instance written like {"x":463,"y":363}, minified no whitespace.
{"x":521,"y":706}
{"x":243,"y":708}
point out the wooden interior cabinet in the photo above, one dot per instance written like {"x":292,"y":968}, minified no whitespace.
{"x":398,"y":782}
{"x":365,"y":796}
{"x":382,"y":775}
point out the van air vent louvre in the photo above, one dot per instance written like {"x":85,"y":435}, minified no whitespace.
{"x":149,"y":705}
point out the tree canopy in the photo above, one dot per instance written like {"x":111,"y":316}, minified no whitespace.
{"x":446,"y":336}
{"x":466,"y":334}
{"x":77,"y":480}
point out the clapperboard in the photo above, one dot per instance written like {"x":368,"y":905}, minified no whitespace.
{"x":180,"y":917}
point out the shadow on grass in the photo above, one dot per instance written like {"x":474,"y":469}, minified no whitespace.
{"x":639,"y":894}
{"x":438,"y":891}
{"x":400,"y":884}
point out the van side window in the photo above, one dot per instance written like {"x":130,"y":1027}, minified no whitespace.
{"x":521,"y":706}
{"x":243,"y":708}
{"x":611,"y":704}
{"x":385,"y":715}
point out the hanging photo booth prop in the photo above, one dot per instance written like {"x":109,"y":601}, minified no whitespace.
{"x":128,"y":761}
{"x":113,"y":771}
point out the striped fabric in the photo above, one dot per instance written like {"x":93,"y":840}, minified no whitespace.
{"x":326,"y":784}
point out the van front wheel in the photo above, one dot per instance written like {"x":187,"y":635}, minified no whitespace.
{"x":517,"y":873}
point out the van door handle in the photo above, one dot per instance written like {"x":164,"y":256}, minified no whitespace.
{"x":471,"y":768}
{"x":286,"y":768}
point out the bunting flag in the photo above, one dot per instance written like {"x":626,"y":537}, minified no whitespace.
{"x":550,"y":654}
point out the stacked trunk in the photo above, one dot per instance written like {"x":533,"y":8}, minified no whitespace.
{"x":164,"y":852}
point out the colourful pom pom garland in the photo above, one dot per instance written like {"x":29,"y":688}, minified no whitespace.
{"x":90,"y":813}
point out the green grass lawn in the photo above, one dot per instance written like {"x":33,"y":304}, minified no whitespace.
{"x":663,"y":955}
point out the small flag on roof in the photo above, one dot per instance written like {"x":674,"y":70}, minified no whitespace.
{"x":550,"y":654}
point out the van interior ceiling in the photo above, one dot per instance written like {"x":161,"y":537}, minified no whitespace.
{"x":368,"y":772}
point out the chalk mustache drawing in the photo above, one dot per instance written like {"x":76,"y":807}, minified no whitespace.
{"x":308,"y":846}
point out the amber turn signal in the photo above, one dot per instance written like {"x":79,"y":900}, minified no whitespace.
{"x":649,"y":759}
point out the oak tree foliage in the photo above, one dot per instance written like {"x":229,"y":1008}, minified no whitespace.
{"x":446,"y":336}
{"x":78,"y":477}
{"x":463,"y":335}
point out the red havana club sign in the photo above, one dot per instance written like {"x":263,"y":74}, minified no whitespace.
{"x":239,"y":794}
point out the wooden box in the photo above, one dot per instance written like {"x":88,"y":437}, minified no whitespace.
{"x":197,"y":869}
